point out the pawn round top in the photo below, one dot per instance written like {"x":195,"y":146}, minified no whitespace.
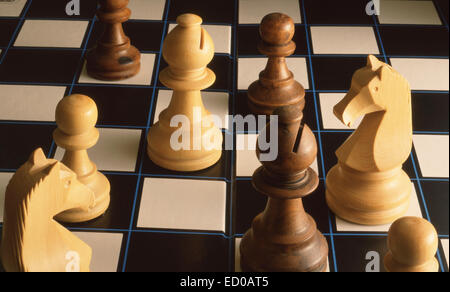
{"x":113,"y":5}
{"x":277,"y":29}
{"x":412,"y":241}
{"x":76,"y":114}
{"x":188,"y":46}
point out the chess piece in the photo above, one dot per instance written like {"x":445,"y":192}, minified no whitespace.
{"x":276,"y":85}
{"x":32,"y":241}
{"x":284,"y":238}
{"x":368,"y":185}
{"x":412,"y":243}
{"x":76,"y":116}
{"x":188,"y":48}
{"x":113,"y":58}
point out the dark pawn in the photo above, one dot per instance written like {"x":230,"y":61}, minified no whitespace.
{"x":113,"y":58}
{"x":284,"y":238}
{"x":276,"y":85}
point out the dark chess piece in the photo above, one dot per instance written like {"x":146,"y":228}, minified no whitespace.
{"x":276,"y":85}
{"x":284,"y":238}
{"x":113,"y":58}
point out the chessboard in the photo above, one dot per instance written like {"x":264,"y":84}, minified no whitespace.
{"x":161,"y":220}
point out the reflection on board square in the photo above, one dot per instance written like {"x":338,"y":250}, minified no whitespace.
{"x":177,"y":253}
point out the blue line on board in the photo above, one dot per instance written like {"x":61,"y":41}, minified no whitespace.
{"x":311,"y":70}
{"x":143,"y":151}
{"x":16,"y":31}
{"x":411,"y":155}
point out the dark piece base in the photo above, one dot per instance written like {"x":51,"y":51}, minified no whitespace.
{"x":113,"y":64}
{"x":259,"y":254}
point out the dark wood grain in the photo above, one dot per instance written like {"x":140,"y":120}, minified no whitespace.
{"x":113,"y":58}
{"x":284,"y":238}
{"x":276,"y":85}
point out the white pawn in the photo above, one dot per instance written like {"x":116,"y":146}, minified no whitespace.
{"x":412,"y":243}
{"x":76,"y":116}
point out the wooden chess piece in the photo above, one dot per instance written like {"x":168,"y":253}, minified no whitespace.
{"x":412,"y":243}
{"x":32,"y":240}
{"x":368,"y":185}
{"x":113,"y":58}
{"x":276,"y":85}
{"x":188,"y":49}
{"x":76,"y":116}
{"x":284,"y":238}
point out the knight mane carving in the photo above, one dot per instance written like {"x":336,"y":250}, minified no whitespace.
{"x":32,"y":240}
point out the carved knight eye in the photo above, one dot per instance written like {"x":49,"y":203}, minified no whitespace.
{"x":68,"y":184}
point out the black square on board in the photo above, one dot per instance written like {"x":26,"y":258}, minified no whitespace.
{"x":7,"y":29}
{"x":57,"y":9}
{"x":210,"y":11}
{"x":119,"y":106}
{"x":164,"y":252}
{"x":428,"y":110}
{"x":442,"y":6}
{"x":414,"y":41}
{"x":337,"y":12}
{"x":335,"y":73}
{"x":351,"y":252}
{"x":437,"y":200}
{"x":35,"y":65}
{"x":247,"y":204}
{"x":20,"y":140}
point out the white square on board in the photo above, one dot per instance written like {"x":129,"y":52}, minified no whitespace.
{"x":246,"y":160}
{"x":5,"y":177}
{"x":147,"y":10}
{"x":414,"y":211}
{"x":12,"y":8}
{"x":344,"y":40}
{"x":423,"y":74}
{"x":408,"y":12}
{"x":220,"y":34}
{"x":432,"y":153}
{"x":249,"y":69}
{"x":105,"y":250}
{"x":144,"y":77}
{"x":52,"y":33}
{"x":215,"y":102}
{"x":444,"y":243}
{"x":183,"y":204}
{"x":29,"y":102}
{"x":329,"y":120}
{"x":253,"y":11}
{"x":116,"y":150}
